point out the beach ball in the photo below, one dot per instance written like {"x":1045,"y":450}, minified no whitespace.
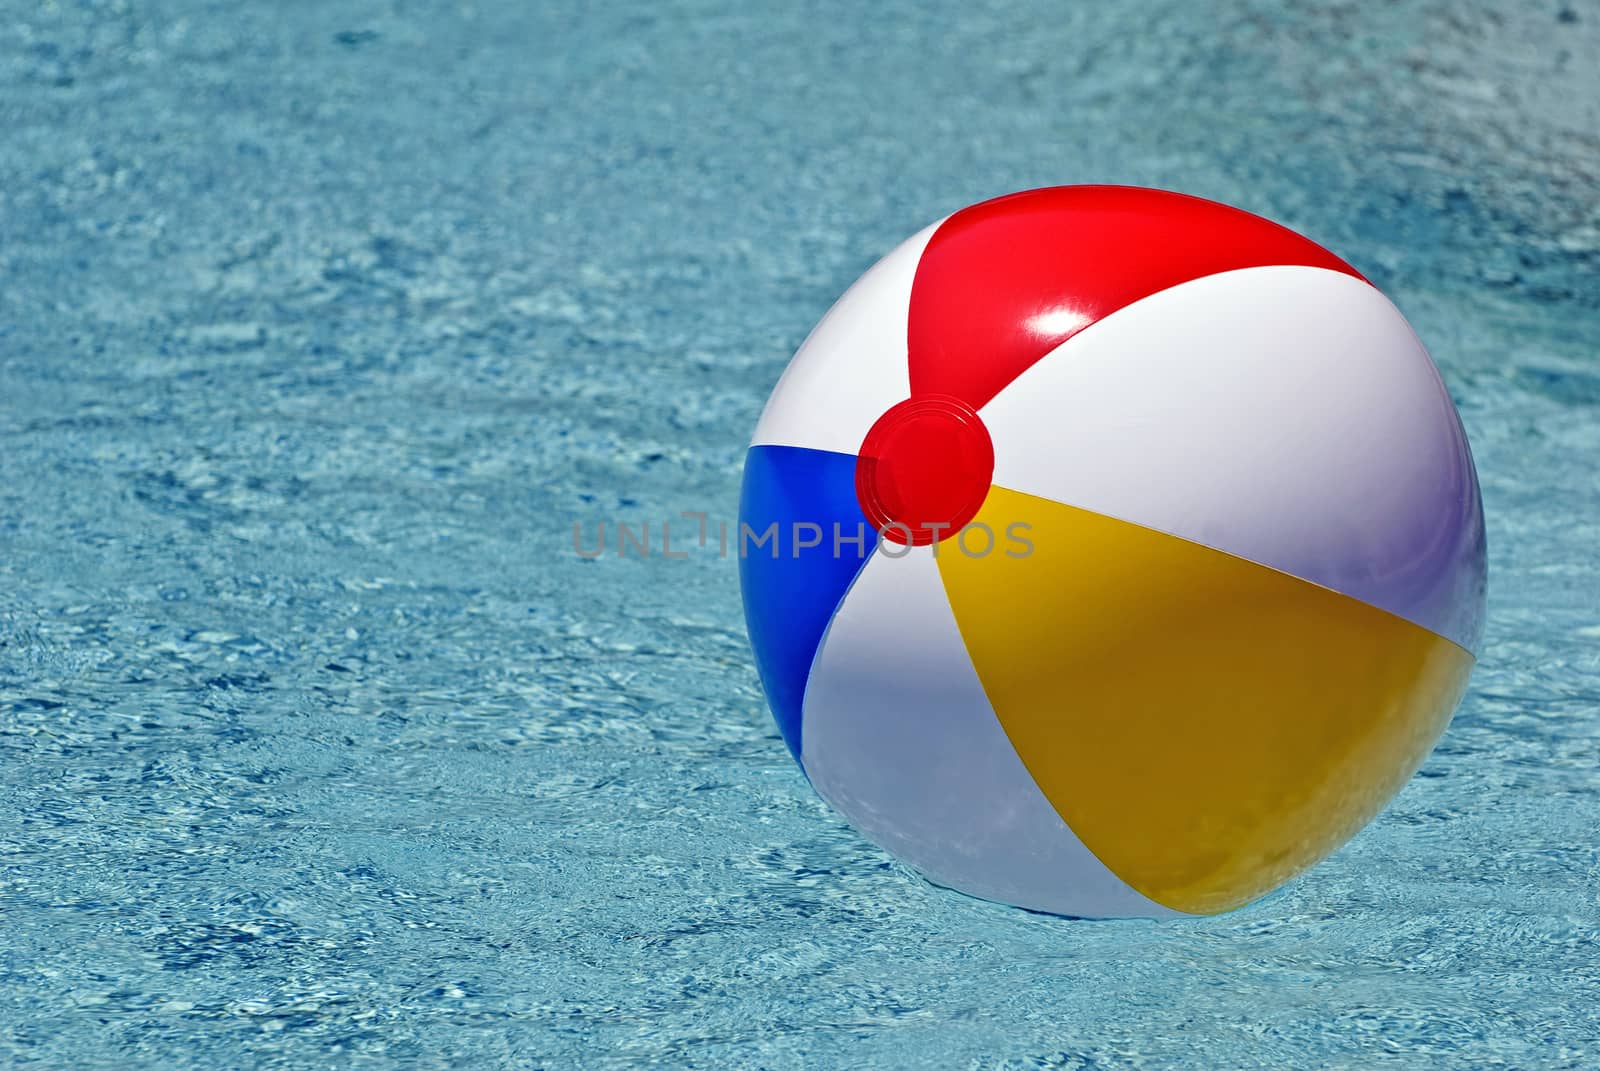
{"x":1111,"y":552}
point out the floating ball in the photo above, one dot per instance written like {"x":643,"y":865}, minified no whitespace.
{"x":1111,"y":552}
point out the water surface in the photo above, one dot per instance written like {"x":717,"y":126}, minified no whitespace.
{"x":320,"y":324}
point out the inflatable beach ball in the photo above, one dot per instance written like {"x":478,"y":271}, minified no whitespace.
{"x":1111,"y":552}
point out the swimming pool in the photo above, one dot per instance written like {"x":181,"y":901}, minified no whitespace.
{"x":320,"y":328}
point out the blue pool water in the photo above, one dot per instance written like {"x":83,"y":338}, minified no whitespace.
{"x":320,"y":326}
